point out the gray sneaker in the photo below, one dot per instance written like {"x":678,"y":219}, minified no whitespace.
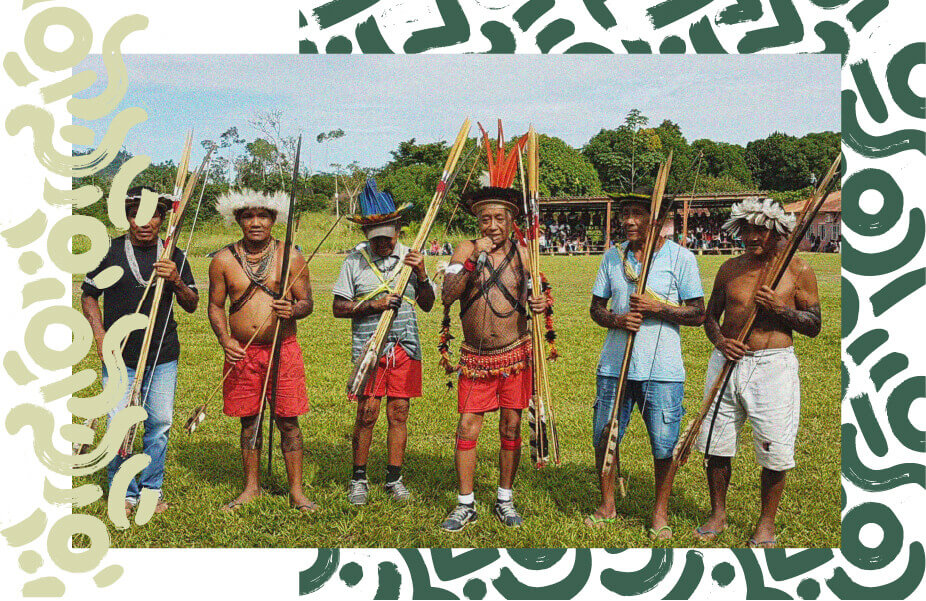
{"x":506,"y":513}
{"x":459,"y":518}
{"x":357,"y":492}
{"x":397,"y":490}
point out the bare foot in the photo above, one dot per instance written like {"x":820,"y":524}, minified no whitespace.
{"x":245,"y":497}
{"x":161,"y":507}
{"x":712,"y":528}
{"x":129,"y":508}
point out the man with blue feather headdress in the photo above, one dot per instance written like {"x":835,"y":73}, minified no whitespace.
{"x":363,"y":290}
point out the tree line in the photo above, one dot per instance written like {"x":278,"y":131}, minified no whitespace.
{"x":615,"y":160}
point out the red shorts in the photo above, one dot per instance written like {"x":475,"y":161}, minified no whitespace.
{"x":244,"y":384}
{"x":504,"y":389}
{"x":397,"y":375}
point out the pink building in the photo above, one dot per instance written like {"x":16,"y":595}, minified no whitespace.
{"x":826,"y":225}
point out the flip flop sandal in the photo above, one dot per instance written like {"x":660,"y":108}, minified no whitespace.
{"x":306,"y":508}
{"x":706,"y":535}
{"x":593,"y":521}
{"x":655,"y":532}
{"x":764,"y":544}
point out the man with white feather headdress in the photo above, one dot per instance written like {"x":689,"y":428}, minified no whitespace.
{"x":764,"y":386}
{"x":248,"y":274}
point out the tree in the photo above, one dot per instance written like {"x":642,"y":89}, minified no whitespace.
{"x":722,"y":160}
{"x":778,"y":162}
{"x":820,"y":150}
{"x":625,"y":158}
{"x":410,"y":153}
{"x":564,"y":171}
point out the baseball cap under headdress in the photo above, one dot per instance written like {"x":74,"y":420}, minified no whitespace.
{"x":133,"y":199}
{"x":229,"y":204}
{"x":378,"y":213}
{"x":765,"y":213}
{"x":497,"y":180}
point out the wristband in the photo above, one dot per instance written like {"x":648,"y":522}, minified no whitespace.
{"x":469,"y":265}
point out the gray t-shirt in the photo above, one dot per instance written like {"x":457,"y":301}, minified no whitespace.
{"x":357,"y":279}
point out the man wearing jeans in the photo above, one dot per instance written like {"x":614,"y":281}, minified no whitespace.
{"x":138,"y":253}
{"x":655,"y":380}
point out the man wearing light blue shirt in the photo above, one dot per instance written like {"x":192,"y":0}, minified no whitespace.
{"x":656,"y":375}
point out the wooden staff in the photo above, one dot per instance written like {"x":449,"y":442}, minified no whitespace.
{"x":199,"y":415}
{"x":771,"y":275}
{"x":369,"y":354}
{"x":649,"y":244}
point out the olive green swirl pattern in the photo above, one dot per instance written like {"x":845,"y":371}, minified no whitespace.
{"x":881,"y":260}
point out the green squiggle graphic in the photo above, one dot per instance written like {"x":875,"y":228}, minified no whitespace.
{"x":897,"y":290}
{"x":332,"y":13}
{"x":863,"y":557}
{"x":866,"y":344}
{"x":691,"y":577}
{"x":27,"y":232}
{"x":448,"y":566}
{"x":755,"y":582}
{"x":876,"y":146}
{"x":455,"y":30}
{"x":898,"y":413}
{"x":876,"y":480}
{"x":320,"y":572}
{"x":868,"y":424}
{"x":844,"y":587}
{"x":788,"y":30}
{"x":499,"y":36}
{"x":643,"y":580}
{"x":511,"y":588}
{"x":880,"y":263}
{"x":703,"y":38}
{"x":27,"y":530}
{"x":740,"y":12}
{"x":868,"y":90}
{"x":530,"y":11}
{"x":554,"y":33}
{"x":865,"y":11}
{"x":370,"y":39}
{"x":898,"y":79}
{"x":671,"y":11}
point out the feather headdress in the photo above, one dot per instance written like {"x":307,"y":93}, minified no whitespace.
{"x":765,"y":213}
{"x":496,"y":181}
{"x":377,"y":207}
{"x":234,"y":200}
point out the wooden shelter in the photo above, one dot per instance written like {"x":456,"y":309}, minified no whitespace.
{"x":598,"y":213}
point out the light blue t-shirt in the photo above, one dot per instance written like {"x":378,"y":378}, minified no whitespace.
{"x":674,"y":277}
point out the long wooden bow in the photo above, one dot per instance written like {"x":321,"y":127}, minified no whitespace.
{"x":649,"y":244}
{"x":273,"y":367}
{"x":183,"y":190}
{"x":776,"y":270}
{"x":366,"y":362}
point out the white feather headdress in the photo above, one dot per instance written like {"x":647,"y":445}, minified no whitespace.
{"x":235,"y":200}
{"x":763,"y":212}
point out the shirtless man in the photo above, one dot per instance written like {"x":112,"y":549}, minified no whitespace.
{"x":248,"y":273}
{"x":495,"y":370}
{"x":764,"y":386}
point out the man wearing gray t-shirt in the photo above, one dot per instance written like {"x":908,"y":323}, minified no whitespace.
{"x":363,"y":291}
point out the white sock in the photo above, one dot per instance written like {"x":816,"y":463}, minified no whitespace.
{"x":466,"y":499}
{"x":504,"y":494}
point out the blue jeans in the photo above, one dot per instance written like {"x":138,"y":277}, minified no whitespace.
{"x":157,"y":394}
{"x":659,"y":402}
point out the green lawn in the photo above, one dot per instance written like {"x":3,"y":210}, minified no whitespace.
{"x":203,"y":470}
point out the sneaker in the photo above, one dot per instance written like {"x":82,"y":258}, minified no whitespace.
{"x":459,"y":518}
{"x":506,"y":513}
{"x":397,"y":490}
{"x":357,"y":492}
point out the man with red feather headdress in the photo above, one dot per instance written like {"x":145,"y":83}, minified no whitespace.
{"x":489,"y":278}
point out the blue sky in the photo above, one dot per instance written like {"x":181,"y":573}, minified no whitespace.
{"x":380,"y":101}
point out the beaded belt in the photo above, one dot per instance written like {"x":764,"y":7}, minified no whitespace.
{"x":506,"y":361}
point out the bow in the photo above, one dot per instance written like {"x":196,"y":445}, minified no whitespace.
{"x":273,"y":366}
{"x":771,"y":275}
{"x":183,"y":190}
{"x":369,"y":354}
{"x":649,"y":244}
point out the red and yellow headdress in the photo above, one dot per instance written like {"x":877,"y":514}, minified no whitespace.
{"x":501,"y":171}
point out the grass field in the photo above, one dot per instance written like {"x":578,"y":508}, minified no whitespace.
{"x":203,"y":470}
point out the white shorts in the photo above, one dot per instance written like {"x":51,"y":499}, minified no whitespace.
{"x":764,"y":387}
